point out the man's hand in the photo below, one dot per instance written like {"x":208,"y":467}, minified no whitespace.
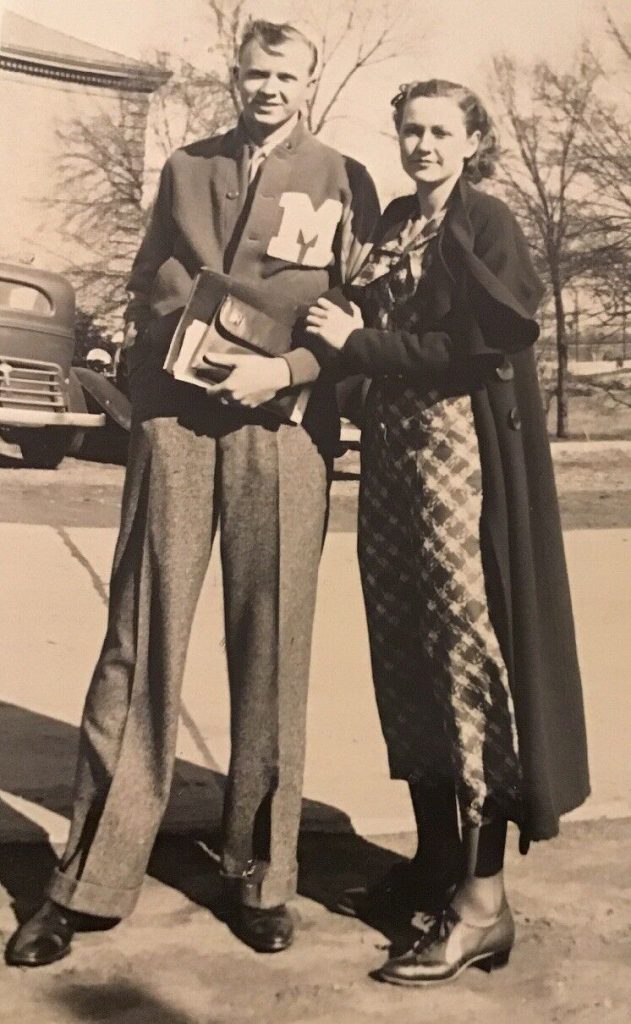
{"x":254,"y":379}
{"x":332,"y":323}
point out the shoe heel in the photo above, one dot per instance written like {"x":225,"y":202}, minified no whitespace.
{"x":495,"y":960}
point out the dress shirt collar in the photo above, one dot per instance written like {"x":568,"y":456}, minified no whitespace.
{"x":263,"y":149}
{"x":259,"y":153}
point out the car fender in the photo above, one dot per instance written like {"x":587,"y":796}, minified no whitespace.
{"x":106,"y":395}
{"x":76,"y":398}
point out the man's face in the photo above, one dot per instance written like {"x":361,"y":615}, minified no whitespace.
{"x":273,"y":86}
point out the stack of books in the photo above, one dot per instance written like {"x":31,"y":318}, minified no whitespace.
{"x":227,"y":316}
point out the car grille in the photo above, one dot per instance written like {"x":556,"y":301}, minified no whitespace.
{"x":31,"y":384}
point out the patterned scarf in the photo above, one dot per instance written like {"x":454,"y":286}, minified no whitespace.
{"x":393,"y":271}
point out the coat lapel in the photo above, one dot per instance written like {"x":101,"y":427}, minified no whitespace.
{"x":515,"y":286}
{"x":513,"y":289}
{"x":214,"y":196}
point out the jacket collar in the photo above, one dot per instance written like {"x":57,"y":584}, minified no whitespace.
{"x":458,"y":220}
{"x":510,"y":280}
{"x":503,"y":270}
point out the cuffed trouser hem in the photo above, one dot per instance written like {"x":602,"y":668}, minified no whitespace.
{"x":270,"y":890}
{"x":90,"y":897}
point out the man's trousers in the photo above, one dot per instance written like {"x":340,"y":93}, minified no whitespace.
{"x":268,"y":489}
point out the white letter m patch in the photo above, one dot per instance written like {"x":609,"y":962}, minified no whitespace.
{"x":305,"y":235}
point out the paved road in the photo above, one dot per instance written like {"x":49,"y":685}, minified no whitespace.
{"x":594,"y":481}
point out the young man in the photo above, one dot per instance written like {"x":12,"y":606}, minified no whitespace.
{"x":270,"y":205}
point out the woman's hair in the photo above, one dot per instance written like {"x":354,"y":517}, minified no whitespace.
{"x":476,"y":118}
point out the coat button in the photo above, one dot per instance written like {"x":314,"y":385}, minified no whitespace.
{"x":514,"y":419}
{"x":232,"y":195}
{"x":505,"y":371}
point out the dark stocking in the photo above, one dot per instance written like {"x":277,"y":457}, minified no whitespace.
{"x":439,"y":855}
{"x":489,"y":859}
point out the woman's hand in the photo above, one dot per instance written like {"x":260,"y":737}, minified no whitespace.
{"x":332,"y":323}
{"x":254,"y":379}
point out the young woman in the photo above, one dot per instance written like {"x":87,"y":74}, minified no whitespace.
{"x":459,"y":539}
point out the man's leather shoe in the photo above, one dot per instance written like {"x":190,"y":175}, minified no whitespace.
{"x":46,"y":936}
{"x":266,"y":931}
{"x":43,"y":939}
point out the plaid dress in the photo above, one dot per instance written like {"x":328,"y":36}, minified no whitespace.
{"x":440,"y":679}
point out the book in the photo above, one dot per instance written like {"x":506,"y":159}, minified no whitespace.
{"x":224,"y":315}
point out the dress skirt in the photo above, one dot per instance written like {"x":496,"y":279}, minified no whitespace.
{"x":441,"y":682}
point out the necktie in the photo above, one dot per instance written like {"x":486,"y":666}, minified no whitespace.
{"x":256,"y":156}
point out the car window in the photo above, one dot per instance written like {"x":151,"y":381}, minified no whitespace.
{"x":24,"y":297}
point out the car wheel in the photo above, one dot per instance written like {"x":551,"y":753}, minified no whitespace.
{"x":44,"y":449}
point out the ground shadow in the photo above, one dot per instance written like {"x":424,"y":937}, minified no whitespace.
{"x":115,"y":1000}
{"x":37,"y":758}
{"x":109,"y":445}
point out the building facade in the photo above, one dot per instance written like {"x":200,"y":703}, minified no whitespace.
{"x":66,"y":106}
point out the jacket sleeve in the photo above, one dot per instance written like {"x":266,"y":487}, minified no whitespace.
{"x":156,"y":247}
{"x":358,"y":224}
{"x":310,"y":353}
{"x":432,"y":357}
{"x":304,"y":368}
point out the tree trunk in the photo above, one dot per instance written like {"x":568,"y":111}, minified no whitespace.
{"x":562,"y":357}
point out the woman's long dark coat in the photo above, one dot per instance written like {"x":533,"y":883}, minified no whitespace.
{"x":478,"y":300}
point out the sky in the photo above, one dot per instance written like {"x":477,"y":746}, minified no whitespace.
{"x":447,"y":38}
{"x":463,"y":32}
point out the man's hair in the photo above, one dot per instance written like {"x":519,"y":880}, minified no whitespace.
{"x":270,"y":35}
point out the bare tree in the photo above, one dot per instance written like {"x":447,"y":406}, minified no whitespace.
{"x":619,"y":36}
{"x":547,"y":182}
{"x":605,"y":149}
{"x":226,"y":19}
{"x":101,"y":200}
{"x":353,"y":37}
{"x":194,"y":103}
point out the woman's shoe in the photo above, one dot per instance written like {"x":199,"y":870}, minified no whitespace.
{"x":400,"y":893}
{"x":448,"y":945}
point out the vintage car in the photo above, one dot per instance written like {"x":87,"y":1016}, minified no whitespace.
{"x":47,"y":405}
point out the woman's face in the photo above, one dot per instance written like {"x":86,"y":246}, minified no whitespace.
{"x":433,"y":140}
